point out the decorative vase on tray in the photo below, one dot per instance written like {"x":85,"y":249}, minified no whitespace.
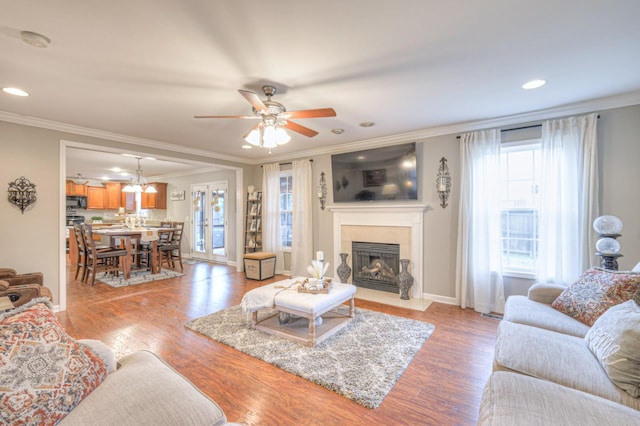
{"x":405,"y":279}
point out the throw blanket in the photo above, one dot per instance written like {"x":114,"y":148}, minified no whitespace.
{"x":264,"y":297}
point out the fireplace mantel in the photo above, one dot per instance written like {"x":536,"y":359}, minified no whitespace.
{"x":374,"y":215}
{"x":378,"y":208}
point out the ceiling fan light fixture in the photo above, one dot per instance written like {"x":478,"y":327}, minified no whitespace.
{"x":253,"y":137}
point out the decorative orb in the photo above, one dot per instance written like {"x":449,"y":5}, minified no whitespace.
{"x":608,"y":246}
{"x":607,"y":225}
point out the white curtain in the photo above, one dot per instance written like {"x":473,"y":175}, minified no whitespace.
{"x":271,"y":239}
{"x":568,"y":198}
{"x":479,"y":258}
{"x":302,"y":231}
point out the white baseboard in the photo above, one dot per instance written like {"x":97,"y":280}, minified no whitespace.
{"x":442,"y":299}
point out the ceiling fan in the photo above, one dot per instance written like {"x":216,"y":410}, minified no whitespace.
{"x":273,"y":116}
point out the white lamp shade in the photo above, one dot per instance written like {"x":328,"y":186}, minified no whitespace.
{"x":608,"y":246}
{"x":253,"y":137}
{"x":607,"y":225}
{"x":150,"y":189}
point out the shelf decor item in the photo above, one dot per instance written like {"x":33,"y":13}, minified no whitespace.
{"x":608,"y":248}
{"x":405,"y":279}
{"x":22,"y":193}
{"x":343,"y":270}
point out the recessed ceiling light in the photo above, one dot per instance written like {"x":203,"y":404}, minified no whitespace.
{"x":34,"y":39}
{"x":14,"y":91}
{"x":534,"y":84}
{"x":367,"y":124}
{"x":246,"y":146}
{"x":337,"y":131}
{"x":360,"y":157}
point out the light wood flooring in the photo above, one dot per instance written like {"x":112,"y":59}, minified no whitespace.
{"x":441,"y":386}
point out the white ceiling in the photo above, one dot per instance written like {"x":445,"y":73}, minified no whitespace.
{"x":144,"y":68}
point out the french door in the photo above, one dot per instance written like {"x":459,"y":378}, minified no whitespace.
{"x":209,"y":220}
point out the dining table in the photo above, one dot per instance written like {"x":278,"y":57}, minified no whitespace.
{"x":150,"y":234}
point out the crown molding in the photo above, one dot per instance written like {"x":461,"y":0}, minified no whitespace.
{"x":591,"y":105}
{"x":115,"y":137}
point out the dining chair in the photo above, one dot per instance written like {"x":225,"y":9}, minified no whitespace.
{"x":170,"y":251}
{"x":104,"y":259}
{"x":82,"y":253}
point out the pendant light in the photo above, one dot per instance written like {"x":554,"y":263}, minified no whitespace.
{"x":139,"y":184}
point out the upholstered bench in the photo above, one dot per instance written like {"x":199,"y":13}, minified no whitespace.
{"x":312,"y":316}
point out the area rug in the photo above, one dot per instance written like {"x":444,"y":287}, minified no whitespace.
{"x":362,"y":362}
{"x":137,"y":277}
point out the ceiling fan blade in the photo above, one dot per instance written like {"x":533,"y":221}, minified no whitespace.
{"x":300,"y":129}
{"x":248,"y":117}
{"x":253,"y":99}
{"x":311,"y":113}
{"x":250,"y":130}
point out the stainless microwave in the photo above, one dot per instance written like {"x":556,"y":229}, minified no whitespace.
{"x":76,"y":202}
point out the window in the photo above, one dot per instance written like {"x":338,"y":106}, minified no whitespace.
{"x":286,"y":209}
{"x":520,"y":168}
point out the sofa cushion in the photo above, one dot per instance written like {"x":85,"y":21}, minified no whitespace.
{"x":145,"y":390}
{"x":514,"y":399}
{"x":522,"y":310}
{"x":555,"y":357}
{"x":615,"y":340}
{"x":44,"y":373}
{"x":595,"y":291}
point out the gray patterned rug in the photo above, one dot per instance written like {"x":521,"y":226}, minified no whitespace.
{"x":137,"y":277}
{"x":362,"y":362}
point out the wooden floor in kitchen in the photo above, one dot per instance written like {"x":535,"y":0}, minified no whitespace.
{"x":441,"y":386}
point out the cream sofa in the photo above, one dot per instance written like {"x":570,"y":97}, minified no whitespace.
{"x":143,"y":389}
{"x":47,"y":377}
{"x":544,"y":373}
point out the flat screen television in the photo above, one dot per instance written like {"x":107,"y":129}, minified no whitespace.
{"x":379,"y":174}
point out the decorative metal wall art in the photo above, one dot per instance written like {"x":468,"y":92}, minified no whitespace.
{"x":443,"y":182}
{"x":322,"y":191}
{"x":22,"y":193}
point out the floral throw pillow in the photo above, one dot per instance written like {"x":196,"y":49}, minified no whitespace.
{"x":596,"y":291}
{"x":44,"y":373}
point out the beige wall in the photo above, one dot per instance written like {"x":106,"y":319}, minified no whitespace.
{"x":32,"y":241}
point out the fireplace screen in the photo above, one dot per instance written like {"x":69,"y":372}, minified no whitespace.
{"x":375,"y":265}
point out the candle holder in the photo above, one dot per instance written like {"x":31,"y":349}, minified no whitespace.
{"x":443,"y":182}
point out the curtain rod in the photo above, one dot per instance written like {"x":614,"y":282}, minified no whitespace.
{"x":287,"y":163}
{"x":533,"y":126}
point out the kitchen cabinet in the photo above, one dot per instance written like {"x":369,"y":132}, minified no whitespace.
{"x":156,"y":200}
{"x":73,"y":188}
{"x":113,"y":199}
{"x":127,"y":199}
{"x":96,"y":198}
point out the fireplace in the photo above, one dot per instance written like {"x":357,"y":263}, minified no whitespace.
{"x":393,"y":224}
{"x":375,"y":265}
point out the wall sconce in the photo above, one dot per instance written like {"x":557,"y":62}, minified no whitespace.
{"x":443,"y":182}
{"x":322,"y":191}
{"x":22,"y":193}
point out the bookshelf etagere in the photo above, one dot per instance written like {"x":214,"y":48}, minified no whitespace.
{"x":253,"y":223}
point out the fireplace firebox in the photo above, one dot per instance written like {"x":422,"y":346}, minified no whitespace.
{"x":375,"y":265}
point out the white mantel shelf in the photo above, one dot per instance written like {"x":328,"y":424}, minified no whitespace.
{"x":378,"y":208}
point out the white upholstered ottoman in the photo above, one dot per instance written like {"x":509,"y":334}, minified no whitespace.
{"x":304,"y":309}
